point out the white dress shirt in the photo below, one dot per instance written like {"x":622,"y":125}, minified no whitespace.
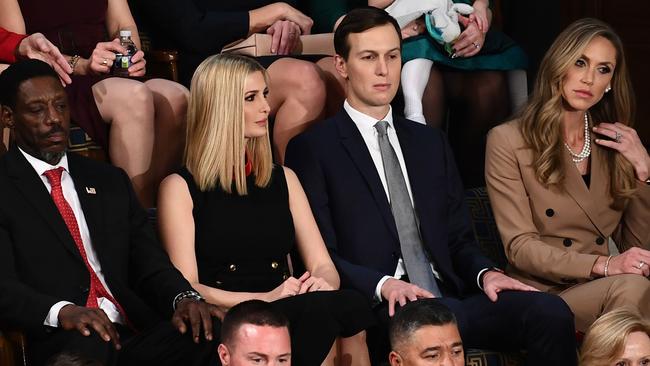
{"x":366,"y":126}
{"x":71,"y":196}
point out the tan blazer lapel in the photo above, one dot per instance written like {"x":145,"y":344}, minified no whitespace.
{"x":595,"y":199}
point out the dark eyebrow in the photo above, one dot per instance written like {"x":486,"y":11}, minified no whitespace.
{"x":44,"y":99}
{"x":602,"y":63}
{"x":430,"y":349}
{"x":456,"y":344}
{"x":375,"y":52}
{"x":257,"y":354}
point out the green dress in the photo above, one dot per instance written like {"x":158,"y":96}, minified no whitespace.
{"x":499,"y":52}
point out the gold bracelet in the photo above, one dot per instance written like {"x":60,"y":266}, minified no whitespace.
{"x":73,"y":61}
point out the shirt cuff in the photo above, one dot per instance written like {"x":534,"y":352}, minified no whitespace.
{"x":52,"y":318}
{"x":381,"y":282}
{"x":478,"y":277}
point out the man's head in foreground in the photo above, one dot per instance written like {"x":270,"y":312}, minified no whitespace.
{"x":424,"y":332}
{"x":255,"y":333}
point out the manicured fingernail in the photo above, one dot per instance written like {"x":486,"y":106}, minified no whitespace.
{"x":454,"y":55}
{"x":272,"y":50}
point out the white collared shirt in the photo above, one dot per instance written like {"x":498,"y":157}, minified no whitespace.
{"x":366,"y":126}
{"x":71,"y":196}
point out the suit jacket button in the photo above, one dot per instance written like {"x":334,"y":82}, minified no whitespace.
{"x":232,"y":268}
{"x":274,"y":265}
{"x":550,"y":212}
{"x":84,"y":289}
{"x":600,"y":240}
{"x":567,"y":242}
{"x":285,"y":276}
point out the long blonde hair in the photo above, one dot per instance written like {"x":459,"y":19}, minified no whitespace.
{"x":605,"y":339}
{"x":541,"y":118}
{"x":215,"y":149}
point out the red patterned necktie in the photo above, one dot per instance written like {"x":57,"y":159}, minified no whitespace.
{"x":97,"y":289}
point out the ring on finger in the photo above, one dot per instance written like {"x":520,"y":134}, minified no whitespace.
{"x":476,"y":44}
{"x":105,"y":62}
{"x":641,"y":264}
{"x":617,"y":139}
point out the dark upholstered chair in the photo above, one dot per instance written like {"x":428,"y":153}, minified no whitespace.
{"x":485,"y":228}
{"x":487,"y":236}
{"x":12,"y":348}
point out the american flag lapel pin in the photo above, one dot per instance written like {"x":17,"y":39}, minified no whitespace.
{"x":91,"y":190}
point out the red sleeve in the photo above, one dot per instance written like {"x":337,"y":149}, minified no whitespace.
{"x":8,"y":43}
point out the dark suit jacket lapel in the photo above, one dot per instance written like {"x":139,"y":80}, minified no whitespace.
{"x":90,"y":197}
{"x":32,"y":188}
{"x":355,"y":145}
{"x":415,"y":166}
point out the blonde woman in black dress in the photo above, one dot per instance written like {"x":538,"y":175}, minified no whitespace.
{"x":230,"y":217}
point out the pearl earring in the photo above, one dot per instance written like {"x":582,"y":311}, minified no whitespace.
{"x":608,"y":89}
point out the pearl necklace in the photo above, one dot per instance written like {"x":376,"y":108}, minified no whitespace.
{"x":586,"y":148}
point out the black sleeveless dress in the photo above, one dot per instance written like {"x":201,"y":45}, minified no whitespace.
{"x":242,"y":243}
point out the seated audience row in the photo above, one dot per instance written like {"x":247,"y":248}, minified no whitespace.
{"x":426,"y":332}
{"x":382,"y":194}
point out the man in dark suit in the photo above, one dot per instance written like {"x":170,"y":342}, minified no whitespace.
{"x":389,"y":203}
{"x":80,"y":269}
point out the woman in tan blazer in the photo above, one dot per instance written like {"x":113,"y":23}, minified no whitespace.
{"x":570,"y":173}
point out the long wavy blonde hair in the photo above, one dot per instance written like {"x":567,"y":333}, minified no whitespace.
{"x":605,"y":339}
{"x":541,"y":118}
{"x":215,"y":149}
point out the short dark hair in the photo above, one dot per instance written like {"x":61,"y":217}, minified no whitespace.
{"x":360,"y":20}
{"x":72,"y":359}
{"x":16,"y":74}
{"x":415,"y":315}
{"x":256,"y":312}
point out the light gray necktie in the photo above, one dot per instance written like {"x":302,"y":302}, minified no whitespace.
{"x":415,"y":259}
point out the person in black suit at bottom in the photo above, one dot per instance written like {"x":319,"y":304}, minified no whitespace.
{"x":388,"y":200}
{"x":80,"y":269}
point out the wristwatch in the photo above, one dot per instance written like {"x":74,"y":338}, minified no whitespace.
{"x":187,"y":295}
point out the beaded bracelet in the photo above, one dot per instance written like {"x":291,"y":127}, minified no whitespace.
{"x":607,"y":266}
{"x":73,"y":61}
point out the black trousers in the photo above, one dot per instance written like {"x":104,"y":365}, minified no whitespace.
{"x":160,"y":345}
{"x":540,"y":323}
